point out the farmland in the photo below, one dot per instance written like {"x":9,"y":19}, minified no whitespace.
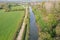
{"x":10,"y":22}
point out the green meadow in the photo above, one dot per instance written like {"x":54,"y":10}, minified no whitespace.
{"x":9,"y":24}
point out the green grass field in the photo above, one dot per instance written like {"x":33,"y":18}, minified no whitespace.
{"x":9,"y":24}
{"x":17,"y":7}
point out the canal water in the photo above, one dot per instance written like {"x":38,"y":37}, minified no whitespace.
{"x":33,"y":26}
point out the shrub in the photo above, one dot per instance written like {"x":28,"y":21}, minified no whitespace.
{"x":58,"y":30}
{"x":45,"y":36}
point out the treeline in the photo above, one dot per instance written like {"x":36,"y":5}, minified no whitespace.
{"x":11,"y":7}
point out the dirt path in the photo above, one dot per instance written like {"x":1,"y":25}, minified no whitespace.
{"x":23,"y":27}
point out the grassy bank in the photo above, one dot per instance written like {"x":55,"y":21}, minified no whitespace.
{"x":27,"y":30}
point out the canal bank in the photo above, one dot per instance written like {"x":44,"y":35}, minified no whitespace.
{"x":23,"y":27}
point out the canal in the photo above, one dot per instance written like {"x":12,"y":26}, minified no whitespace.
{"x":33,"y":26}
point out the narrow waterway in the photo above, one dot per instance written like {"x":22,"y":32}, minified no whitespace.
{"x":33,"y":26}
